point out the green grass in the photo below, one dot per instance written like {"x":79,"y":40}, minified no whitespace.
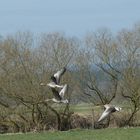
{"x":103,"y":134}
{"x":85,"y":109}
{"x":82,"y":109}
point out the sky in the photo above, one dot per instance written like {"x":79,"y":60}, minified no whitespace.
{"x":73,"y":17}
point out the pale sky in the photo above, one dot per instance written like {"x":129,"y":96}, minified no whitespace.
{"x":73,"y":17}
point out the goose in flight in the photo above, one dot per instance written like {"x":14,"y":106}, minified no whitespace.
{"x":108,"y":110}
{"x":56,"y":77}
{"x":59,"y":96}
{"x":52,"y":85}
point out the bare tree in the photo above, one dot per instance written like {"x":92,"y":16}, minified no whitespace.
{"x":129,"y":47}
{"x":99,"y":63}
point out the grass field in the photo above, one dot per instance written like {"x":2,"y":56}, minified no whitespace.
{"x":78,"y":134}
{"x":83,"y":109}
{"x":102,"y":134}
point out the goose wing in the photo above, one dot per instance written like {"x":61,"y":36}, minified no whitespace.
{"x":107,"y":106}
{"x":56,"y":77}
{"x":63,"y":90}
{"x":56,"y":94}
{"x":53,"y":79}
{"x":51,"y":84}
{"x":105,"y":114}
{"x":113,"y":108}
{"x":62,"y":71}
{"x":110,"y":108}
{"x":54,"y":85}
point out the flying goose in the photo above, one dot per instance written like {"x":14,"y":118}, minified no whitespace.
{"x":52,"y":85}
{"x":108,"y":110}
{"x":56,"y":77}
{"x":59,"y":96}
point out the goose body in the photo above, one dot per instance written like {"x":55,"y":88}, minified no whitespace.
{"x":54,"y":85}
{"x":108,"y":110}
{"x":59,"y":96}
{"x":63,"y":91}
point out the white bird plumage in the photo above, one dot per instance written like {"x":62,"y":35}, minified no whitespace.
{"x":54,"y":85}
{"x":63,"y":90}
{"x":56,"y":77}
{"x":108,"y":110}
{"x":59,"y":96}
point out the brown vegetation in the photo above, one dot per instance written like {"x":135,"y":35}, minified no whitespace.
{"x":105,"y":70}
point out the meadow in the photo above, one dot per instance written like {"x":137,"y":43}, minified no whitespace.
{"x":79,"y":134}
{"x":102,"y":134}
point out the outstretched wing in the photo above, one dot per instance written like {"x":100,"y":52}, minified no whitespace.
{"x":62,"y":71}
{"x":56,"y":77}
{"x":63,"y":90}
{"x":56,"y":94}
{"x":104,"y":115}
{"x":111,"y":108}
{"x":53,"y":79}
{"x":54,"y":85}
